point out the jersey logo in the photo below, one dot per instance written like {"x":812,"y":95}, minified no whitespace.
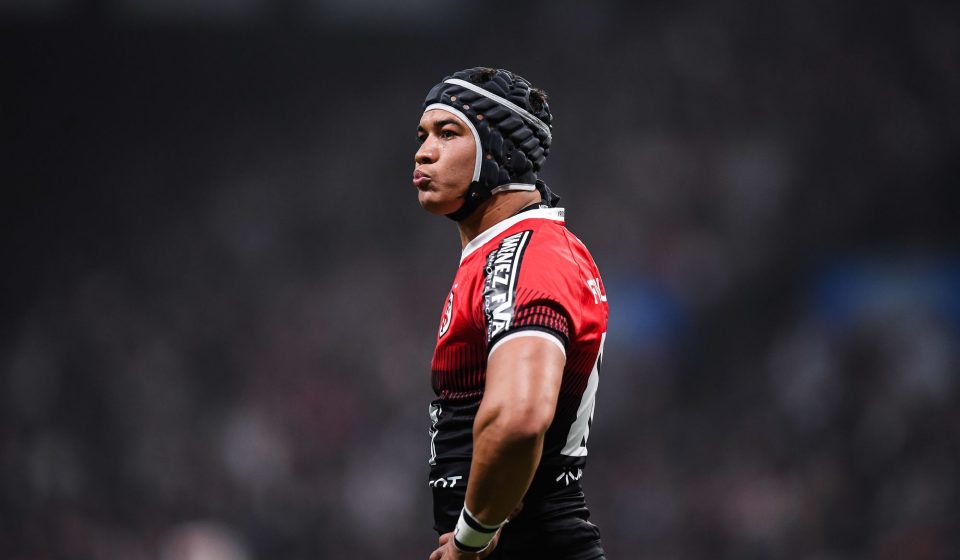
{"x":447,"y":316}
{"x":500,"y":282}
{"x":445,"y":482}
{"x":567,"y":476}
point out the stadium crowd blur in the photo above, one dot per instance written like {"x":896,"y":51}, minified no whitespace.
{"x":221,"y":297}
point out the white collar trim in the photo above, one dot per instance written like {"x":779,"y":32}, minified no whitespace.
{"x":555,"y":214}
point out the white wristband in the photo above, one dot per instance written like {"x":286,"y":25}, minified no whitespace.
{"x":472,"y":536}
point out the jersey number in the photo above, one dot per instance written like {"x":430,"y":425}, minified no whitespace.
{"x":576,"y":445}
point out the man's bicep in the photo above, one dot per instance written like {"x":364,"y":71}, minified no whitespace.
{"x":526,"y":368}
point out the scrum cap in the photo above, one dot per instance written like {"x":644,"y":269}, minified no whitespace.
{"x":511,"y":129}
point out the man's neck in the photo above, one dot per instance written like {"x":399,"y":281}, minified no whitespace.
{"x":499,"y":208}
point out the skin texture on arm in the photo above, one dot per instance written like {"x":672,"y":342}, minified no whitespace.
{"x":519,"y":400}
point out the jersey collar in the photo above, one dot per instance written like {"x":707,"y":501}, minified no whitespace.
{"x":555,"y":214}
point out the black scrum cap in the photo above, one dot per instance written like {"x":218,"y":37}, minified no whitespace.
{"x":512,"y":131}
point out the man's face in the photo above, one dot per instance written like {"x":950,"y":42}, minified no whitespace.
{"x":444,"y":163}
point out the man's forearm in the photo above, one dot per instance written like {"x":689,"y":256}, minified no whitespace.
{"x":505,"y":459}
{"x":519,"y":401}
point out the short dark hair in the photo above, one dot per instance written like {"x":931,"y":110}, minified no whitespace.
{"x":536,"y":97}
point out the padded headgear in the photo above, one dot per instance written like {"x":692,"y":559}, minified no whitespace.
{"x":512,"y":131}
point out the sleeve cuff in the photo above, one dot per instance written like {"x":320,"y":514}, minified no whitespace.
{"x":531,"y":331}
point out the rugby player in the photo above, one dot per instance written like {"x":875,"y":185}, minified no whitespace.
{"x":520,"y":341}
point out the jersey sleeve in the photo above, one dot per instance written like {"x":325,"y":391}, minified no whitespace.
{"x":529,"y":288}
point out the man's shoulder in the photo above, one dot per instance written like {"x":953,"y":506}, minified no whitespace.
{"x":552,"y":241}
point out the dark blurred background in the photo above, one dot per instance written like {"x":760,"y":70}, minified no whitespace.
{"x":220,"y":296}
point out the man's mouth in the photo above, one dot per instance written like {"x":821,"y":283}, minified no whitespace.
{"x":420,"y":179}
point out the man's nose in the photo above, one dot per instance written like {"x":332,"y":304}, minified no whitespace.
{"x":427,"y":152}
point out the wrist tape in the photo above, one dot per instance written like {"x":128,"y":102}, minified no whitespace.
{"x":472,"y":536}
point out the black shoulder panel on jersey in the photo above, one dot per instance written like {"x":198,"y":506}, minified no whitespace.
{"x":500,"y":282}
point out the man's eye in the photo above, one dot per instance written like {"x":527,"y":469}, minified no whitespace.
{"x":421,"y":138}
{"x":447,"y":134}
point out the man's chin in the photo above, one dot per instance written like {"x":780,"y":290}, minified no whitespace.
{"x":439,"y":208}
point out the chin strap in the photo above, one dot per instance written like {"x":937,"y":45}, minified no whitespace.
{"x":477,"y":195}
{"x":473,"y":198}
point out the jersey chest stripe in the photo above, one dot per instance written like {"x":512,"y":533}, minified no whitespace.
{"x":518,"y":259}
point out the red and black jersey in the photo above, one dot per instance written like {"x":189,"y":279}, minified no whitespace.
{"x":526,"y":276}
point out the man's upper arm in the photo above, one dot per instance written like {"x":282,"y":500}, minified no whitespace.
{"x":524,"y":373}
